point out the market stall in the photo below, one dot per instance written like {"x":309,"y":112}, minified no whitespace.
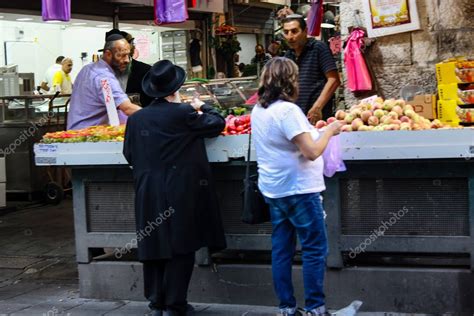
{"x":429,"y":173}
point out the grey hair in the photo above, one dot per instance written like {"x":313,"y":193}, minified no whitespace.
{"x":109,"y":45}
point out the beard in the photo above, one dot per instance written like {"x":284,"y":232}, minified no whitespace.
{"x":116,"y":67}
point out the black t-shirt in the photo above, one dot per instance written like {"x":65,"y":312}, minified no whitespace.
{"x":315,"y":60}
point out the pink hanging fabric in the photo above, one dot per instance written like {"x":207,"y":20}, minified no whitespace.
{"x":56,"y":10}
{"x":170,"y":11}
{"x":315,"y":18}
{"x":358,"y":76}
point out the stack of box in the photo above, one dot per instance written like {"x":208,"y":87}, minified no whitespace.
{"x":174,"y":47}
{"x":456,"y":91}
{"x":3,"y":183}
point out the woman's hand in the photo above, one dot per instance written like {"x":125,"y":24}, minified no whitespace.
{"x":334,"y":128}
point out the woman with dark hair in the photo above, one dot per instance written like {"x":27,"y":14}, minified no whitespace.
{"x":290,"y":169}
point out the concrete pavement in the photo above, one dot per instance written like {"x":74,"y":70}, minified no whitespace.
{"x":38,"y":272}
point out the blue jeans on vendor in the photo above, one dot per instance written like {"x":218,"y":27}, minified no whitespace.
{"x":303,"y":215}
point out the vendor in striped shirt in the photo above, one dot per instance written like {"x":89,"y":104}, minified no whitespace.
{"x":318,"y":75}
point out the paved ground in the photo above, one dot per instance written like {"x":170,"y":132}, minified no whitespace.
{"x":38,"y":274}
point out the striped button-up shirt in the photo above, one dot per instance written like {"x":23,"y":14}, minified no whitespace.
{"x":314,"y":62}
{"x":87,"y":106}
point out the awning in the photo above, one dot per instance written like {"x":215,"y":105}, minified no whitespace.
{"x":129,"y":10}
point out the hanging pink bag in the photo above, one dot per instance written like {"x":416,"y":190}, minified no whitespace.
{"x":56,"y":10}
{"x":170,"y":11}
{"x":358,"y":76}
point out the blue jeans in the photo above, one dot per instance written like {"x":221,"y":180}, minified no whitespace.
{"x":301,"y":214}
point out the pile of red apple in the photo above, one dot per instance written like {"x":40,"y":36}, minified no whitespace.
{"x":237,"y":125}
{"x":388,"y":115}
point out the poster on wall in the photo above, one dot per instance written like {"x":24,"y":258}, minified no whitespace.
{"x":387,"y":17}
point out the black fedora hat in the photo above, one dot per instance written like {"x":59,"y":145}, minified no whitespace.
{"x":163,"y":79}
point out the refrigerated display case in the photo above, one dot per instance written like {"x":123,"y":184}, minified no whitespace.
{"x":223,"y":94}
{"x":23,"y":122}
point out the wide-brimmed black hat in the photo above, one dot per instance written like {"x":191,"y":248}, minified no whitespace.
{"x":163,"y":79}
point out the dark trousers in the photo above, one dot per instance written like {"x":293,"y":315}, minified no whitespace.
{"x":167,"y":282}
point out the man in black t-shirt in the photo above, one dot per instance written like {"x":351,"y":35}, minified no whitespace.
{"x":318,"y":76}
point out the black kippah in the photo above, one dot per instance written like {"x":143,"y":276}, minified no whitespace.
{"x":114,"y":37}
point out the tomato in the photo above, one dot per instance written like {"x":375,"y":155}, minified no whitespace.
{"x":468,"y":117}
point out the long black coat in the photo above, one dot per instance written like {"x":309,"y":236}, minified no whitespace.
{"x":134,"y":83}
{"x":176,"y":206}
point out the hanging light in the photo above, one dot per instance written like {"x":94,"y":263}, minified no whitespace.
{"x":304,"y":10}
{"x":328,"y":20}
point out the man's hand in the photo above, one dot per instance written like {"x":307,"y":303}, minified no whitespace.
{"x":196,"y":104}
{"x":315,"y":114}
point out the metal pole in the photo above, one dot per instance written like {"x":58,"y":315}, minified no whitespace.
{"x":116,"y":17}
{"x":5,"y":52}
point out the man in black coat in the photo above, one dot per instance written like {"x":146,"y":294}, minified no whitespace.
{"x":176,"y":205}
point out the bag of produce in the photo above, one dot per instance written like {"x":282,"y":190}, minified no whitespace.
{"x":332,"y":157}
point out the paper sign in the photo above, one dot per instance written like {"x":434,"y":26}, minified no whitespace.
{"x":47,"y":148}
{"x":387,"y":17}
{"x":110,"y":103}
{"x":142,"y":45}
{"x":369,"y":100}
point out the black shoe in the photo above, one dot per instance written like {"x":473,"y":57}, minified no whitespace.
{"x":189,"y":309}
{"x":301,"y":311}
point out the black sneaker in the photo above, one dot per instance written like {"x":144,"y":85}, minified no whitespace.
{"x":314,"y":312}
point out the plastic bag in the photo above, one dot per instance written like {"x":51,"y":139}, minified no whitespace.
{"x":358,"y":76}
{"x":332,"y":157}
{"x":170,"y":11}
{"x":56,"y":10}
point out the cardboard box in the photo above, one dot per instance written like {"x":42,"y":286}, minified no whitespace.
{"x":448,"y":91}
{"x":463,"y":93}
{"x":447,"y":112}
{"x":455,"y":72}
{"x":446,"y":73}
{"x":424,"y":105}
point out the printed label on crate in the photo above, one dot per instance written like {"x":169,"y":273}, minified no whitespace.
{"x":45,"y":160}
{"x":47,"y":148}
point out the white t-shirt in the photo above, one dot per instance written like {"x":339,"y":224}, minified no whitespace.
{"x":282,"y":168}
{"x":50,"y":72}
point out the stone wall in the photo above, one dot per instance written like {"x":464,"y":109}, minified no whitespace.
{"x":447,"y":30}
